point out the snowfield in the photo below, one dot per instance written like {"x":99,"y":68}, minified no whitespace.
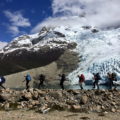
{"x":98,"y":51}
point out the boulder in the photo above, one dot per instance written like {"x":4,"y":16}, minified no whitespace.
{"x":6,"y":106}
{"x":35,"y":95}
{"x":75,"y":108}
{"x":28,"y":96}
{"x":55,"y":94}
{"x":113,"y":110}
{"x":84,"y":99}
{"x":5,"y":97}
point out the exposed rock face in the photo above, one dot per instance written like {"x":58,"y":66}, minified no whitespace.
{"x":67,"y":61}
{"x":15,"y":62}
{"x":72,"y":100}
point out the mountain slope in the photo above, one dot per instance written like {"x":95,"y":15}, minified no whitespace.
{"x":31,"y":51}
{"x":99,"y":51}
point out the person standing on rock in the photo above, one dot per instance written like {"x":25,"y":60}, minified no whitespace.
{"x":41,"y":79}
{"x":96,"y":80}
{"x":2,"y":81}
{"x":27,"y":79}
{"x":63,"y":78}
{"x":81,"y":80}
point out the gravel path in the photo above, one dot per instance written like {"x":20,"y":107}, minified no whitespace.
{"x":56,"y":115}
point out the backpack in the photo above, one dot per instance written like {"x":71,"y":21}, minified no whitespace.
{"x":28,"y":77}
{"x":114,"y":76}
{"x":3,"y":79}
{"x":98,"y":76}
{"x":82,"y":78}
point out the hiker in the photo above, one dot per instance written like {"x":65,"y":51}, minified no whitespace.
{"x":42,"y":79}
{"x":27,"y":79}
{"x":63,"y":78}
{"x":81,"y":80}
{"x":2,"y":81}
{"x":96,"y":80}
{"x":110,"y":80}
{"x":114,"y":78}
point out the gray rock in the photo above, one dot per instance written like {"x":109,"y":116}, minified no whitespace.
{"x":84,"y":99}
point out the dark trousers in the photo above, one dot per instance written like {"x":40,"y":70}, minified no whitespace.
{"x":2,"y":85}
{"x":27,"y":84}
{"x":81,"y":85}
{"x":62,"y":85}
{"x":111,"y":85}
{"x":96,"y":84}
{"x":40,"y":84}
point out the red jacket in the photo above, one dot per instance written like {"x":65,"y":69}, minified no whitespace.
{"x":81,"y":78}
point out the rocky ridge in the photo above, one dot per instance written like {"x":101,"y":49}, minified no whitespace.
{"x":71,"y":100}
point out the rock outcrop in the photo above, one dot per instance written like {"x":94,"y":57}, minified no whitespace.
{"x":71,"y":100}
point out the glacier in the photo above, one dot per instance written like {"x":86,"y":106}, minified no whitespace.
{"x":98,"y":52}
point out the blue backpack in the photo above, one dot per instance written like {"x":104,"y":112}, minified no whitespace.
{"x":3,"y":79}
{"x":28,"y":77}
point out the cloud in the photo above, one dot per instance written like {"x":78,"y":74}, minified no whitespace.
{"x":99,"y":13}
{"x":59,"y":21}
{"x":2,"y":44}
{"x":14,"y":30}
{"x":16,"y":21}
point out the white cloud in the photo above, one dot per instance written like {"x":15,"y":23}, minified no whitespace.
{"x":14,"y":30}
{"x":2,"y":44}
{"x":16,"y":21}
{"x":59,"y":21}
{"x":100,"y":13}
{"x":97,"y":12}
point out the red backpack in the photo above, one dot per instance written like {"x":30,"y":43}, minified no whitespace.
{"x":82,"y":78}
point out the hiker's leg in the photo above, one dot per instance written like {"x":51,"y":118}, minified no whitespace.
{"x":27,"y":84}
{"x":97,"y":85}
{"x":62,"y":86}
{"x":38,"y":85}
{"x":94,"y":84}
{"x":110,"y":85}
{"x":81,"y":86}
{"x":2,"y":86}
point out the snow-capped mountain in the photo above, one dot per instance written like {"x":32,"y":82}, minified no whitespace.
{"x":2,"y":44}
{"x":33,"y":42}
{"x":99,"y":51}
{"x":31,"y":51}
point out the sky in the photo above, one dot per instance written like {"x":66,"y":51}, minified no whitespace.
{"x":19,"y":17}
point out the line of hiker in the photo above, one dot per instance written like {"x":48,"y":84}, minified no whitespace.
{"x":111,"y":77}
{"x":96,"y":79}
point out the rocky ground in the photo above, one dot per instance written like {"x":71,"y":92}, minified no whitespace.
{"x":68,"y":104}
{"x":56,"y":115}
